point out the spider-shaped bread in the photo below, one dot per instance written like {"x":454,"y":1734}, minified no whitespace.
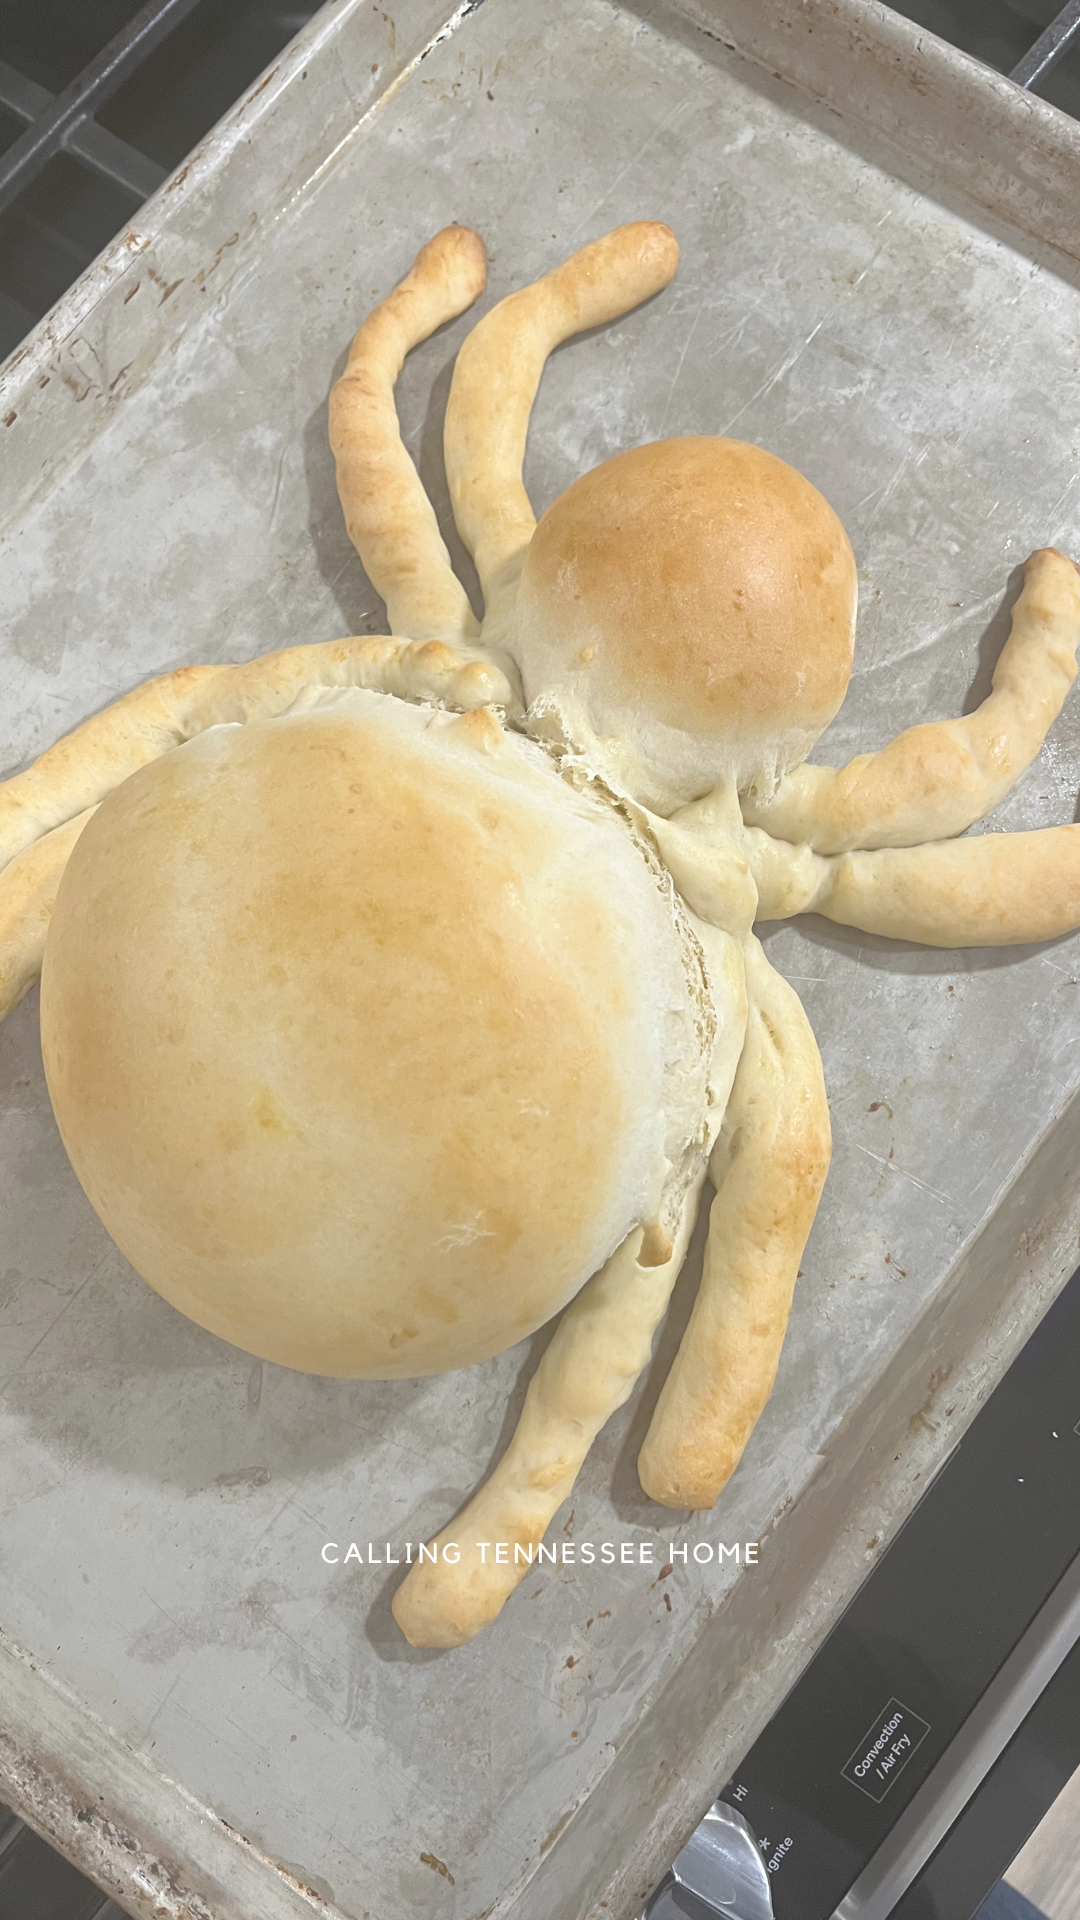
{"x":402,"y":992}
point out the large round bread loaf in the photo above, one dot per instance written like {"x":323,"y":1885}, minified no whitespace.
{"x":368,"y":1036}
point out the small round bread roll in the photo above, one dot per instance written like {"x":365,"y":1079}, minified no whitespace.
{"x":687,"y":612}
{"x":369,"y":1037}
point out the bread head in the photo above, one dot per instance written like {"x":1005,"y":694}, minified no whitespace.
{"x":368,"y":1037}
{"x":689,"y":606}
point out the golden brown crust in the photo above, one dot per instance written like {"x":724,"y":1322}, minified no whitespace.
{"x":495,"y":382}
{"x":769,"y":1167}
{"x":389,"y":517}
{"x":696,"y":598}
{"x":358,"y":1035}
{"x":936,"y":779}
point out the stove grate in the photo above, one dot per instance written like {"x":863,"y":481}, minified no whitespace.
{"x":89,"y":130}
{"x":64,"y":122}
{"x":1050,"y":48}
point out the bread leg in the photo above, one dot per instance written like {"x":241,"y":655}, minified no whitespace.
{"x":769,"y":1167}
{"x":390,"y":519}
{"x":935,"y":780}
{"x":992,"y":890}
{"x":599,"y":1348}
{"x":90,"y":761}
{"x":28,"y":887}
{"x":495,"y":381}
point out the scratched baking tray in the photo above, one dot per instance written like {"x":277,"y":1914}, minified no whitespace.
{"x":878,"y":282}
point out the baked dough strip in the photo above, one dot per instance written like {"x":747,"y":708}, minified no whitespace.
{"x":768,"y":1167}
{"x":28,"y":887}
{"x":993,"y":890}
{"x":937,"y":779}
{"x":495,"y":384}
{"x":88,"y":763}
{"x":602,"y":1343}
{"x":389,"y":518}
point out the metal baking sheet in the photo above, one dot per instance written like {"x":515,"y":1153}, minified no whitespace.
{"x":195,"y":1705}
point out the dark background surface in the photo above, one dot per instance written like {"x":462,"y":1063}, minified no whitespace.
{"x":62,"y":222}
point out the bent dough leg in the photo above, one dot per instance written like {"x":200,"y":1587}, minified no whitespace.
{"x":936,"y":779}
{"x":389,"y":517}
{"x":769,"y":1166}
{"x":495,"y":381}
{"x":993,"y":890}
{"x":28,"y":888}
{"x":599,"y":1348}
{"x":996,"y":890}
{"x":86,"y":764}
